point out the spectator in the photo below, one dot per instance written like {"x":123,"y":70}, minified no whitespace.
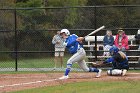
{"x":59,"y":49}
{"x":108,"y":42}
{"x":121,"y":41}
{"x":138,"y":39}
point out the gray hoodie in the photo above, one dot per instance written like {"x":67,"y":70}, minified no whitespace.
{"x":58,"y":38}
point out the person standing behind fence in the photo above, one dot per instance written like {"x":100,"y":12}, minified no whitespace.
{"x":108,"y":42}
{"x":121,"y":40}
{"x":59,"y":49}
{"x":138,"y":39}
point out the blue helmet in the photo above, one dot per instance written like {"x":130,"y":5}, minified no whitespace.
{"x":113,"y":50}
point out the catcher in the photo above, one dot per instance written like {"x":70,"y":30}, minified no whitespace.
{"x":119,"y":62}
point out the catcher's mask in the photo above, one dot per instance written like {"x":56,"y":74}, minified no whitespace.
{"x":113,"y":50}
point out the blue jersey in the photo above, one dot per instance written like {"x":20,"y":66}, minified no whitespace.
{"x":71,"y":44}
{"x":118,"y":62}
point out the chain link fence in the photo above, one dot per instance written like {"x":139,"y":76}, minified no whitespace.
{"x":26,"y":33}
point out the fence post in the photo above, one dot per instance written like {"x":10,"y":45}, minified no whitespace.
{"x":95,"y":25}
{"x":15,"y":50}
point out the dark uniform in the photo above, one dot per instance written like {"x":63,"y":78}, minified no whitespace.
{"x":118,"y":62}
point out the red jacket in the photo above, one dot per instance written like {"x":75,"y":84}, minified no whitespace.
{"x":124,"y":41}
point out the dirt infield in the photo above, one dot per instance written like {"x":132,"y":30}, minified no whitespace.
{"x":14,"y":82}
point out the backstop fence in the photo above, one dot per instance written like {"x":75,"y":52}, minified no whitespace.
{"x":26,"y":33}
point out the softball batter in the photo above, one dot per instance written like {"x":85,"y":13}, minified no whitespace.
{"x":73,"y":44}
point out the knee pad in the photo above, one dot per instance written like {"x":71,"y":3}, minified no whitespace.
{"x":114,"y":72}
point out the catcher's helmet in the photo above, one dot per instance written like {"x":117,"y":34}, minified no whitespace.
{"x":66,"y":31}
{"x":113,"y":50}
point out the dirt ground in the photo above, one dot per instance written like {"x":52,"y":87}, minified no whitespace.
{"x":14,"y":82}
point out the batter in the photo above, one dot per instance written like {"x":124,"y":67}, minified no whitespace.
{"x":74,"y":44}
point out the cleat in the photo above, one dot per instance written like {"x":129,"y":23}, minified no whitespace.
{"x":124,"y":72}
{"x":99,"y":73}
{"x":64,"y":77}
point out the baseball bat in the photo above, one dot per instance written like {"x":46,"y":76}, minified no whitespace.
{"x":95,"y":31}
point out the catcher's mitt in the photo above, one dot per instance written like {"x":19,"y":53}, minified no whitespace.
{"x":97,"y":64}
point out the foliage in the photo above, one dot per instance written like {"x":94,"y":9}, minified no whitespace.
{"x":66,"y":3}
{"x":7,"y":3}
{"x":113,"y":2}
{"x":6,"y":17}
{"x":115,"y":17}
{"x":70,"y":16}
{"x":29,"y":16}
{"x":32,"y":23}
{"x":32,"y":36}
{"x":30,"y":3}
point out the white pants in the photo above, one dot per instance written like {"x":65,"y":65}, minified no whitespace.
{"x":79,"y":57}
{"x":107,"y":48}
{"x":114,"y":72}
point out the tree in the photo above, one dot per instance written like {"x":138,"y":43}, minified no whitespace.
{"x":6,"y":27}
{"x":116,"y":16}
{"x":21,"y":1}
{"x":29,"y":16}
{"x":68,"y":17}
{"x":113,"y":2}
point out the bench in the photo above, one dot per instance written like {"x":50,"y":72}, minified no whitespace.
{"x":134,"y":54}
{"x":90,"y":39}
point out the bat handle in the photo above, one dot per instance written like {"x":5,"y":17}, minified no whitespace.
{"x":85,"y":36}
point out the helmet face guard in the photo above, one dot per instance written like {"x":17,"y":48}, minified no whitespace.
{"x":112,"y":53}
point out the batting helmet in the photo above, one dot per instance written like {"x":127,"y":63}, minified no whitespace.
{"x":66,"y":31}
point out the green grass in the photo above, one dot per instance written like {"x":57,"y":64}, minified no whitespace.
{"x":29,"y":63}
{"x":33,"y":63}
{"x":135,"y":71}
{"x":29,"y":72}
{"x":36,"y":63}
{"x":90,"y":87}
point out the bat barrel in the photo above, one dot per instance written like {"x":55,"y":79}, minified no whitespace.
{"x":95,"y":31}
